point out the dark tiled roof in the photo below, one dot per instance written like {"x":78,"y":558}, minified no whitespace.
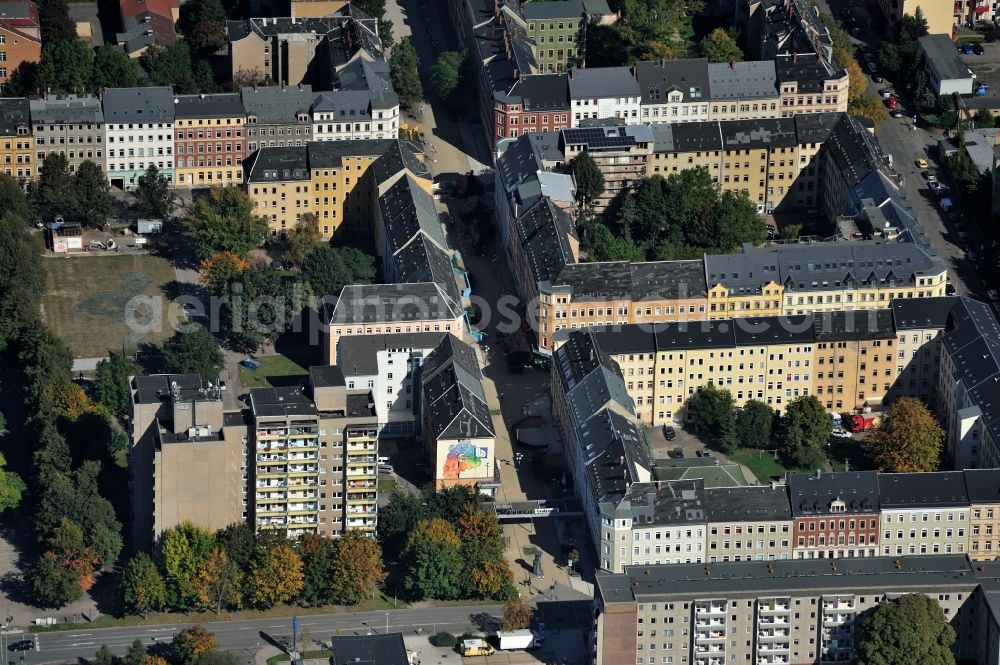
{"x":917,"y":313}
{"x":541,"y":92}
{"x":324,"y":376}
{"x":982,"y":485}
{"x":68,"y":110}
{"x":226,"y":105}
{"x":747,"y":504}
{"x":273,"y":164}
{"x":155,"y":388}
{"x":944,"y":489}
{"x":808,"y":70}
{"x":602,"y":82}
{"x":285,"y":401}
{"x":814,"y":494}
{"x":658,"y":77}
{"x":368,"y":650}
{"x":671,"y":502}
{"x":544,"y":232}
{"x":390,"y":303}
{"x":614,"y":451}
{"x":14,"y":113}
{"x":137,"y":105}
{"x":277,"y":105}
{"x":357,"y":354}
{"x":636,"y":281}
{"x":972,"y":338}
{"x":453,"y":392}
{"x":854,"y":324}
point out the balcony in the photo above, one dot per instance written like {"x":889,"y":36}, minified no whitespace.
{"x":710,"y":635}
{"x":778,"y":634}
{"x":772,"y":660}
{"x":710,"y":609}
{"x":302,"y":521}
{"x":771,"y":608}
{"x":771,"y":649}
{"x":703,"y":623}
{"x":836,"y":619}
{"x":302,"y":468}
{"x":773,"y":621}
{"x":709,"y":648}
{"x":361,"y":523}
{"x":354,"y":485}
{"x":303,"y":507}
{"x":838,"y":605}
{"x":271,"y":483}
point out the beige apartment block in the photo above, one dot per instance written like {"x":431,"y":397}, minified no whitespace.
{"x":919,"y":323}
{"x":855,"y":358}
{"x":940,"y":15}
{"x":983,"y":486}
{"x":748,"y":524}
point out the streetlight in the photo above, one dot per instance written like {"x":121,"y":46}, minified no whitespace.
{"x":386,"y":623}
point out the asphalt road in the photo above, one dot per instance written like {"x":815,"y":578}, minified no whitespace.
{"x":66,"y":646}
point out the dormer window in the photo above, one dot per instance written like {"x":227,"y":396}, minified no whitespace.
{"x":838,"y":506}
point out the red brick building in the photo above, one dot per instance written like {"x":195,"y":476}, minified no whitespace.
{"x":20,"y":36}
{"x":835,"y":515}
{"x":538,"y":103}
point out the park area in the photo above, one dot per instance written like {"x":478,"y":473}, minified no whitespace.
{"x":87,"y":298}
{"x":272,"y":371}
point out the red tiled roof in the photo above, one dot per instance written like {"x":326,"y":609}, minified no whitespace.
{"x":158,"y":7}
{"x":29,"y":21}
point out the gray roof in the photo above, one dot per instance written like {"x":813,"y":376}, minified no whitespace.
{"x":742,"y":134}
{"x":657,"y":78}
{"x":687,"y":137}
{"x":767,"y":578}
{"x":602,"y":82}
{"x":453,"y":395}
{"x":614,"y":452}
{"x":14,"y":114}
{"x":982,"y":485}
{"x":67,"y":110}
{"x":592,"y":379}
{"x":274,"y":164}
{"x":668,"y":502}
{"x":539,"y":92}
{"x":742,"y":80}
{"x":808,"y":70}
{"x":747,"y":504}
{"x":813,"y":494}
{"x":972,"y":338}
{"x":635,"y":281}
{"x":552,"y":9}
{"x":376,"y":649}
{"x":281,"y":402}
{"x":853,"y":324}
{"x":325,"y":376}
{"x":399,"y":155}
{"x":155,"y":388}
{"x":608,"y":138}
{"x":921,"y":313}
{"x":225,"y":105}
{"x":393,"y":303}
{"x":357,"y":354}
{"x":372,"y":77}
{"x":345,"y":32}
{"x":908,"y":491}
{"x":544,"y":232}
{"x":345,"y":105}
{"x":720,"y":333}
{"x":943,"y":56}
{"x":277,"y":105}
{"x":408,"y":210}
{"x":139,"y":105}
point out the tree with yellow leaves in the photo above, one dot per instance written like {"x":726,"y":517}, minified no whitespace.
{"x":190,"y":643}
{"x":275,"y":577}
{"x":909,"y":439}
{"x":220,"y":270}
{"x":218,"y":581}
{"x":357,"y":570}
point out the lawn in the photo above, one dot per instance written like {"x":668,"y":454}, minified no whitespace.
{"x":89,"y":299}
{"x":762,"y":464}
{"x":848,"y":451}
{"x":271,"y":367}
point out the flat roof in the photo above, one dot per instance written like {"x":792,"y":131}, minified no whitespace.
{"x":943,"y":57}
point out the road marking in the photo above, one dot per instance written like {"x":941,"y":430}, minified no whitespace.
{"x":82,"y":644}
{"x":80,"y":635}
{"x":160,"y":630}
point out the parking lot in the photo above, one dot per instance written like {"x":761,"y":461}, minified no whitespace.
{"x":686,"y":440}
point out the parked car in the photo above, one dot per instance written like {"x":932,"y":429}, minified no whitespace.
{"x":934,"y":185}
{"x":978,"y":49}
{"x":840,"y":433}
{"x":678,"y":453}
{"x":949,"y":289}
{"x":669,"y":433}
{"x":23,"y":645}
{"x":922,"y":164}
{"x":885,"y":93}
{"x":872,"y":67}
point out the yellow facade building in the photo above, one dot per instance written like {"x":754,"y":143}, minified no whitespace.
{"x":17,"y":147}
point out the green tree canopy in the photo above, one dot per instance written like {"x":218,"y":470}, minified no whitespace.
{"x":446,"y":73}
{"x":719,"y":46}
{"x":143,"y":588}
{"x":224,"y":221}
{"x":302,"y":237}
{"x":55,"y":22}
{"x":153,"y":198}
{"x":713,"y":412}
{"x":172,"y":65}
{"x":357,"y":568}
{"x":11,"y":488}
{"x":909,"y":439}
{"x":909,"y":629}
{"x":91,"y":205}
{"x":805,"y":429}
{"x":870,"y":108}
{"x":405,"y":74}
{"x":754,"y":422}
{"x":52,"y":192}
{"x":66,"y":67}
{"x":194,"y":352}
{"x":203,"y":24}
{"x":111,"y":382}
{"x":317,"y":554}
{"x":114,"y":69}
{"x":328,"y":269}
{"x":52,"y":583}
{"x":606,"y":246}
{"x":136,"y":654}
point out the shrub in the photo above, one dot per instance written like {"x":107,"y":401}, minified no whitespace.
{"x":444,"y":639}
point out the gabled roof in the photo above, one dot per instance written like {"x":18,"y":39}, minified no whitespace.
{"x":375,"y":649}
{"x":277,"y":105}
{"x":407,"y":210}
{"x":972,"y":338}
{"x":224,"y":105}
{"x":602,"y":82}
{"x":453,"y":393}
{"x":739,"y":80}
{"x":70,"y":109}
{"x":544,"y":232}
{"x":660,"y":77}
{"x":15,"y":113}
{"x":397,"y":157}
{"x":615,"y":453}
{"x":392,"y":303}
{"x":943,"y":489}
{"x":540,"y":92}
{"x":139,"y":105}
{"x":838,"y":493}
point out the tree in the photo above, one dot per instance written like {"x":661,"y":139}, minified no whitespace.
{"x":712,"y":411}
{"x":302,"y":238}
{"x":135,"y":654}
{"x":446,"y":73}
{"x":66,"y":67}
{"x":21,"y":284}
{"x":317,"y":555}
{"x":172,"y":65}
{"x":480,"y":534}
{"x":908,"y":629}
{"x":870,"y":108}
{"x":491,"y":579}
{"x":909,"y":439}
{"x":194,"y":352}
{"x":589,"y":187}
{"x":434,"y":569}
{"x":217,"y":584}
{"x":111,"y":383}
{"x":985,"y":119}
{"x":269,"y":302}
{"x":275,"y":577}
{"x":223,"y":221}
{"x":239,"y":542}
{"x":857,"y":82}
{"x":516,"y":615}
{"x":180,"y":566}
{"x":52,"y":583}
{"x":114,"y":69}
{"x":219,"y":271}
{"x":328,"y":269}
{"x":606,"y":246}
{"x":143,"y":588}
{"x":103,"y":656}
{"x":153,"y":660}
{"x":754,"y":422}
{"x":805,"y":429}
{"x":12,"y":198}
{"x":191,"y":642}
{"x":91,"y":204}
{"x":203,"y":24}
{"x":55,"y":22}
{"x":247,"y":77}
{"x":357,"y":568}
{"x":11,"y":488}
{"x":105,"y":541}
{"x":397,"y":518}
{"x":719,"y":46}
{"x":52,"y":192}
{"x":152,"y":194}
{"x":404,"y":73}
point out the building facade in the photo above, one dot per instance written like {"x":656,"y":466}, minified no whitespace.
{"x":17,"y":146}
{"x":605,"y":92}
{"x":926,"y":513}
{"x":71,"y":126}
{"x":20,"y":37}
{"x":748,"y":524}
{"x":345,"y":115}
{"x":210,"y":141}
{"x":621,"y":153}
{"x":277,"y":117}
{"x":918,"y":325}
{"x":139,"y":125}
{"x":835,"y":515}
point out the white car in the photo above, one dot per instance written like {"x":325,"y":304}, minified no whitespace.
{"x":840,"y":433}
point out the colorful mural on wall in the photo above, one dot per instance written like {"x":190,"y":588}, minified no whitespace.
{"x":462,"y":457}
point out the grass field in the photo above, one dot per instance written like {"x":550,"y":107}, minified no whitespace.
{"x":87,"y":301}
{"x":761,"y":464}
{"x":271,"y":367}
{"x":724,"y":475}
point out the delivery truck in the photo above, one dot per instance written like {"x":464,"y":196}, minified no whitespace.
{"x":516,"y":639}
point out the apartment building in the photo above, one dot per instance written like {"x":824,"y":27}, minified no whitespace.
{"x":315,"y":457}
{"x":808,"y":83}
{"x":383,"y":309}
{"x":967,"y":386}
{"x":538,"y":103}
{"x":139,"y":125}
{"x":344,"y":115}
{"x":210,"y":140}
{"x":389,"y":367}
{"x":925,"y":513}
{"x":783,"y":27}
{"x":20,"y":36}
{"x":71,"y":126}
{"x":555,"y":32}
{"x":542,"y":243}
{"x":941,"y":17}
{"x":743,"y":90}
{"x":621,"y":153}
{"x":457,"y":424}
{"x":983,"y":488}
{"x":17,"y":146}
{"x":748,"y":523}
{"x":277,"y":117}
{"x":768,"y":612}
{"x":186,"y":458}
{"x":855,"y":358}
{"x":145,"y":23}
{"x":666,"y":522}
{"x":302,"y":50}
{"x":835,"y":515}
{"x":603,"y":92}
{"x":919,"y":324}
{"x":327,"y":179}
{"x":674,"y":90}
